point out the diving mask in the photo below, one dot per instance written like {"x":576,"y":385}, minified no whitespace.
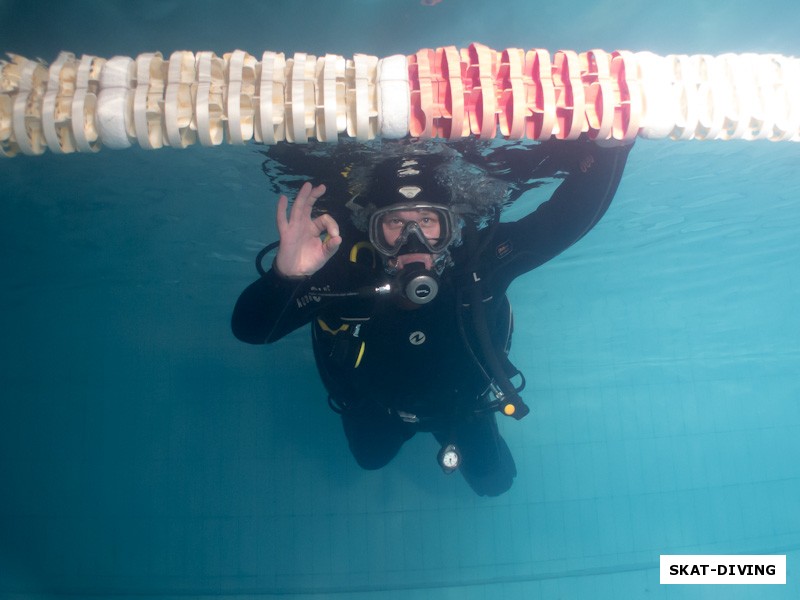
{"x":429,"y":227}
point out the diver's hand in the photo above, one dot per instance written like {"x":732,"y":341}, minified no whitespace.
{"x":302,"y":251}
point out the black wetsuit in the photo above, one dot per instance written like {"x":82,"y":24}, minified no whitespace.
{"x":386,"y":366}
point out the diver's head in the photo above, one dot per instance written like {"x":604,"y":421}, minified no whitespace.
{"x":411,"y":221}
{"x":413,"y":233}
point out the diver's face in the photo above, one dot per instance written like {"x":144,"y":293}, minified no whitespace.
{"x":393,"y":223}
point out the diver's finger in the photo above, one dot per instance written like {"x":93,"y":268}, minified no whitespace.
{"x":331,"y":245}
{"x":280,"y":217}
{"x":300,"y":206}
{"x":310,"y":194}
{"x":317,"y":192}
{"x":327,"y":224}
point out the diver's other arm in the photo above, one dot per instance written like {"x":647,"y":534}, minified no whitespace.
{"x":302,"y":250}
{"x":571,"y":212}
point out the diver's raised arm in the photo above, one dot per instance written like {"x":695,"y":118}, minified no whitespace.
{"x":594,"y":172}
{"x":302,"y":250}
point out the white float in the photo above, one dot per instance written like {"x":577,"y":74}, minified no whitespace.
{"x":81,"y":104}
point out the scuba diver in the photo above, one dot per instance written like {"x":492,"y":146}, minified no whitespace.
{"x":404,"y":284}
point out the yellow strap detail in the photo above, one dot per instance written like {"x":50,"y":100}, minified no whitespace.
{"x":326,"y":328}
{"x":358,"y":248}
{"x":360,"y":354}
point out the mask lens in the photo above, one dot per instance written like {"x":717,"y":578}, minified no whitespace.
{"x":392,"y":228}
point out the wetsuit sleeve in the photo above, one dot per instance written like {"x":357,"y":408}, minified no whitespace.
{"x":575,"y":207}
{"x":268,"y":309}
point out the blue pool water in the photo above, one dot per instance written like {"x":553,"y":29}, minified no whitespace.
{"x":144,"y":452}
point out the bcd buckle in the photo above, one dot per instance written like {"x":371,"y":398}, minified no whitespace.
{"x":407,"y":417}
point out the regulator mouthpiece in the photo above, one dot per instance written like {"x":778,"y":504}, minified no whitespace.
{"x":418,"y":284}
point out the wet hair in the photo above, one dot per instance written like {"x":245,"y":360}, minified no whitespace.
{"x":443,"y":174}
{"x":479,"y":179}
{"x":361,"y":177}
